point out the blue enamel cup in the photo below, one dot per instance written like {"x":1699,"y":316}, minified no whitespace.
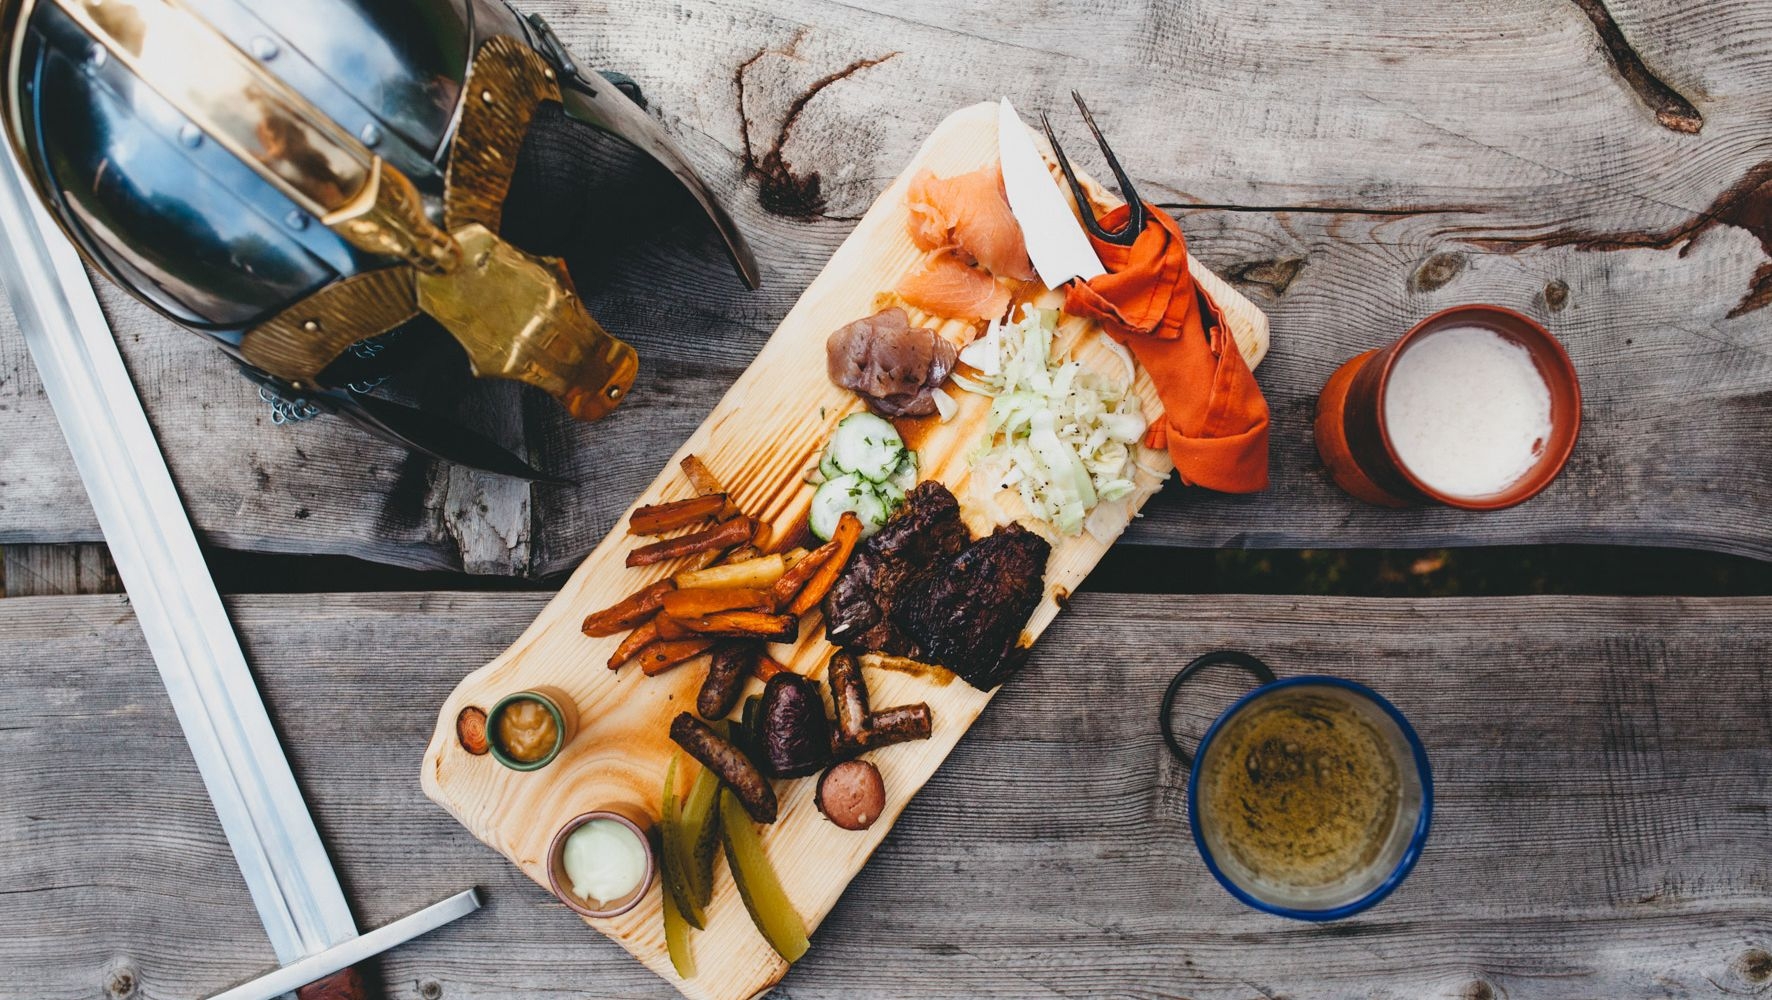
{"x":1402,"y":842}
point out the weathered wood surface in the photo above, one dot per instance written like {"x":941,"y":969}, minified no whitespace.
{"x":1355,"y":166}
{"x":43,"y":570}
{"x":1603,"y":771}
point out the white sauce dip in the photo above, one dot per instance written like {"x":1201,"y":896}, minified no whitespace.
{"x":604,"y":861}
{"x":1467,"y":411}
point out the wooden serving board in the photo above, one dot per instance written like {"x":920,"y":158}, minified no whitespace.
{"x":761,"y":440}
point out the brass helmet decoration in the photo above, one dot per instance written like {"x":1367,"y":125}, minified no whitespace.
{"x":293,"y":179}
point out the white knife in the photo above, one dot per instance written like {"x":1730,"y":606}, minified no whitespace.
{"x":1055,"y":239}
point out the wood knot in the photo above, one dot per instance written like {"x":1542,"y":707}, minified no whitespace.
{"x":1270,"y":276}
{"x":1437,"y":272}
{"x":430,"y":989}
{"x":781,"y":190}
{"x":120,"y":982}
{"x":1478,"y":990}
{"x":1556,"y":295}
{"x":1754,"y":965}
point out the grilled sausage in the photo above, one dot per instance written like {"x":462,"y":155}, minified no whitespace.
{"x":796,"y":734}
{"x":732,"y":663}
{"x":891,"y":725}
{"x":852,"y":794}
{"x":732,"y":767}
{"x":858,"y":729}
{"x":849,"y":693}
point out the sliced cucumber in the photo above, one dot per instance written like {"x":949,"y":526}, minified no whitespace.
{"x":904,"y":476}
{"x":827,"y":467}
{"x":890,"y":495}
{"x":848,"y":492}
{"x":866,"y":446}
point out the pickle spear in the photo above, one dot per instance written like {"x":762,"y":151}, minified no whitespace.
{"x":677,"y":939}
{"x":675,"y":862}
{"x":761,"y":891}
{"x":700,"y":823}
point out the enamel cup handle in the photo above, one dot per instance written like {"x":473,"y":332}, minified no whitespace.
{"x":1230,"y":657}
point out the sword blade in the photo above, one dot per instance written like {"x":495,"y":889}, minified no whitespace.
{"x":174,"y":598}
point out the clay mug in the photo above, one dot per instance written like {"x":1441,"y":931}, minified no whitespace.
{"x":1356,"y":445}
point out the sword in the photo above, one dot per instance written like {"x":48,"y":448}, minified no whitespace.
{"x":174,"y":598}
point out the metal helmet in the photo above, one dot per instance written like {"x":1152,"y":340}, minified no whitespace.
{"x":293,"y":179}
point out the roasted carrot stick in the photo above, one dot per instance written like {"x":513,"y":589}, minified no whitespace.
{"x":705,"y":482}
{"x":734,"y":532}
{"x":844,"y":538}
{"x":783,"y":590}
{"x":767,"y":667}
{"x":799,"y":534}
{"x":671,"y":629}
{"x":743,"y":625}
{"x":628,"y":612}
{"x":658,"y":518}
{"x":636,"y":640}
{"x":661,"y":656}
{"x":706,"y":601}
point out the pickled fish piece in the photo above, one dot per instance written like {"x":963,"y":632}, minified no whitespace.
{"x":969,"y":215}
{"x":945,"y":285}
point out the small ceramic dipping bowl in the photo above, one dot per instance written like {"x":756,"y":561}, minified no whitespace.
{"x":562,"y":885}
{"x":1355,"y":443}
{"x":557,"y":706}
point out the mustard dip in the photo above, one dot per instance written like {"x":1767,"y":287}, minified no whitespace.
{"x":527,"y":730}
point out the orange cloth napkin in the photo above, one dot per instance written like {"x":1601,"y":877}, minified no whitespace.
{"x":1215,"y":420}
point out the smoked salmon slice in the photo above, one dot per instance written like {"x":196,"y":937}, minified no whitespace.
{"x":945,"y":285}
{"x":969,"y":215}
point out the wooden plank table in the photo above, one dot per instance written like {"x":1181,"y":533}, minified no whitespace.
{"x":1600,"y":164}
{"x":1603,"y":771}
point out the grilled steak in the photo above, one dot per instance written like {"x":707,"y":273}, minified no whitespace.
{"x":925,"y":534}
{"x":969,"y":616}
{"x":923,"y":588}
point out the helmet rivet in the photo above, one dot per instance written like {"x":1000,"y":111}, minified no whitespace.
{"x":191,"y":136}
{"x":370,"y":134}
{"x":296,"y":219}
{"x":486,"y":97}
{"x":312,"y":326}
{"x":548,"y":72}
{"x":264,"y":48}
{"x":613,"y":391}
{"x":96,"y":56}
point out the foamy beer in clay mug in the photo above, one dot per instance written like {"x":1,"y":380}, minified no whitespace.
{"x":1475,"y":407}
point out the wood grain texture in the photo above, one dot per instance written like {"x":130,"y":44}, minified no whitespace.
{"x":760,"y":441}
{"x":1603,"y":770}
{"x":1353,"y":165}
{"x":43,"y":570}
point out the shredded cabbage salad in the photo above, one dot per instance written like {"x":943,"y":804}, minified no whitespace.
{"x":1064,"y":437}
